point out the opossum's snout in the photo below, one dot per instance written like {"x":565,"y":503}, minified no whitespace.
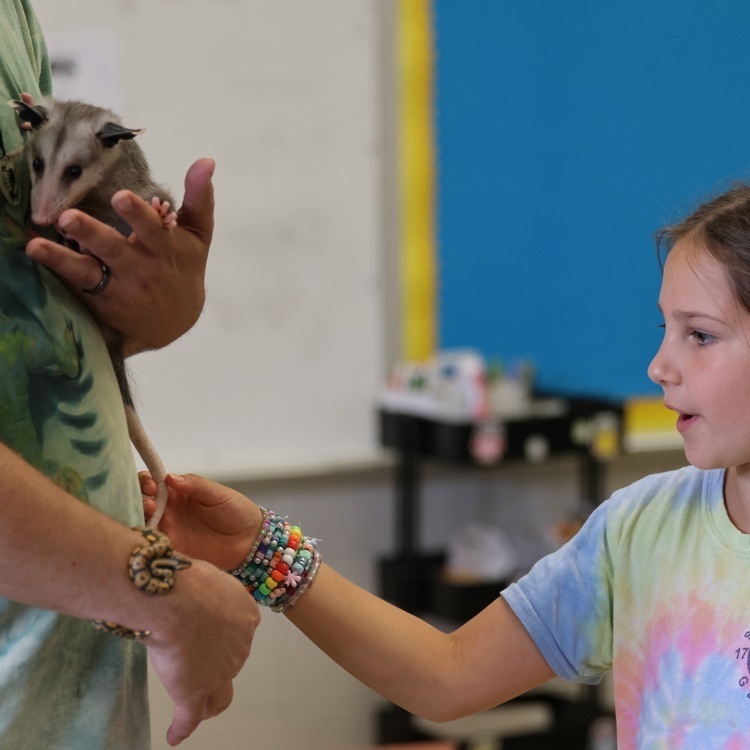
{"x":43,"y":219}
{"x":52,"y":193}
{"x":46,"y":205}
{"x":43,"y":196}
{"x":43,"y":212}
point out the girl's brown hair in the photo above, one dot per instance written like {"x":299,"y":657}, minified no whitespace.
{"x":722,"y":227}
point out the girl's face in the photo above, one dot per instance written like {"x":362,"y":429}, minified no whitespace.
{"x":703,"y":364}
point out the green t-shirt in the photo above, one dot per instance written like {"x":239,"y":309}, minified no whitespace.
{"x":63,"y":685}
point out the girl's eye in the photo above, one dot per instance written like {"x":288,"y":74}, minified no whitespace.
{"x":701,"y":338}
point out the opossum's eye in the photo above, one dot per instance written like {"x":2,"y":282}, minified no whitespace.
{"x":38,"y":165}
{"x":73,"y":172}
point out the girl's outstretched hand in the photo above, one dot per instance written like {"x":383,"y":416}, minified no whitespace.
{"x":205,"y":519}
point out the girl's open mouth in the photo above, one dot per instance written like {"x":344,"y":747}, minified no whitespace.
{"x":685,"y":420}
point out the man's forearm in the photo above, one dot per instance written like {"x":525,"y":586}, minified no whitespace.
{"x":58,"y":553}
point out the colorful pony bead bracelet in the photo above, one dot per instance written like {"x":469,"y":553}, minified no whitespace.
{"x":281,"y":565}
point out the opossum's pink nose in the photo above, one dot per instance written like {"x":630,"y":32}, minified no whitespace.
{"x":41,"y":220}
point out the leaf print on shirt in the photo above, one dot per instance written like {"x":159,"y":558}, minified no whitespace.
{"x":43,"y":380}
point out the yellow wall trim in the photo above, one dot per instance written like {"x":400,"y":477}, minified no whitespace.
{"x":417,"y":178}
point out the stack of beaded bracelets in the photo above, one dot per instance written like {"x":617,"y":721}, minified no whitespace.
{"x":281,"y":565}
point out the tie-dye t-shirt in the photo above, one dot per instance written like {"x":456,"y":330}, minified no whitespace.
{"x":63,"y":685}
{"x":655,"y":588}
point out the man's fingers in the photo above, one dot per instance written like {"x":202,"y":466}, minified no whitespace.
{"x":197,"y":211}
{"x":181,"y":729}
{"x":148,"y":485}
{"x":98,"y":239}
{"x":187,"y":717}
{"x":185,"y":720}
{"x":78,"y":270}
{"x":142,"y":217}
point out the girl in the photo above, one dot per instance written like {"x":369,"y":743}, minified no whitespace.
{"x":652,"y":587}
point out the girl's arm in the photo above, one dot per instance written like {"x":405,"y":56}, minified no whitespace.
{"x":435,"y":675}
{"x":432,"y":674}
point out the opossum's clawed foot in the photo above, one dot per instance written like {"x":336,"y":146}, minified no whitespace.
{"x":168,"y":217}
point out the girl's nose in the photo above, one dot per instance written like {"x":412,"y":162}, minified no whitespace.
{"x":661,"y":370}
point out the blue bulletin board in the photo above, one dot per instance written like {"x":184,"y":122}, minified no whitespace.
{"x":566,"y":134}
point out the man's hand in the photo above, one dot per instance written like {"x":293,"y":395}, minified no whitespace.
{"x":201,"y":639}
{"x":156,"y":290}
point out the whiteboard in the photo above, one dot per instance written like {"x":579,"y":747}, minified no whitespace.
{"x":283,"y":370}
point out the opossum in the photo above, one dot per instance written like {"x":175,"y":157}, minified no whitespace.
{"x":79,"y":156}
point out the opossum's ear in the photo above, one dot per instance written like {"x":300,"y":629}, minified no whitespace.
{"x":111,"y":134}
{"x":35,"y":116}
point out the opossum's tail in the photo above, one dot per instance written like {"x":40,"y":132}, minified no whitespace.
{"x":150,"y":457}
